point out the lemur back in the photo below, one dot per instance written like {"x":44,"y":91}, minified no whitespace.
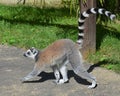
{"x":57,"y":50}
{"x":63,"y":52}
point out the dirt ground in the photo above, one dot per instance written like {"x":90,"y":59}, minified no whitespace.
{"x":13,"y":67}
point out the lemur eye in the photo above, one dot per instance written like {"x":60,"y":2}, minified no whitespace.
{"x":34,"y":52}
{"x":28,"y":53}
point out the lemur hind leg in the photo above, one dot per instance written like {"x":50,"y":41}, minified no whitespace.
{"x":86,"y":75}
{"x":31,"y":75}
{"x":77,"y":65}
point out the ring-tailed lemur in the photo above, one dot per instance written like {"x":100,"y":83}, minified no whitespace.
{"x":63,"y":52}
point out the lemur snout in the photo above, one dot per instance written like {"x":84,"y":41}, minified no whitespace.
{"x":24,"y":55}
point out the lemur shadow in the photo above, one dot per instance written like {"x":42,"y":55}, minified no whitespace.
{"x":44,"y":76}
{"x":98,"y":64}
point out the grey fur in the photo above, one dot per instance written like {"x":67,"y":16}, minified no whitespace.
{"x":67,"y":53}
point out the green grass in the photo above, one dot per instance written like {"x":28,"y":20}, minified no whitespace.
{"x":108,"y":47}
{"x":25,"y":27}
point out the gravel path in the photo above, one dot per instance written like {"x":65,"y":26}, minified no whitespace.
{"x":13,"y":66}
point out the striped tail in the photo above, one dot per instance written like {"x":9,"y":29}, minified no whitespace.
{"x":85,"y":15}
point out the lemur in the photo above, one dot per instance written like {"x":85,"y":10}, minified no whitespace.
{"x":63,"y":52}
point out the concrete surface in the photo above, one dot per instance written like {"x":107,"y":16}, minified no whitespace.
{"x":13,"y":67}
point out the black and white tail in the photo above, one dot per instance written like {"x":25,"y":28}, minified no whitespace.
{"x":85,"y":15}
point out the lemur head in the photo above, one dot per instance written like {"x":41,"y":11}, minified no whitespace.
{"x":31,"y":53}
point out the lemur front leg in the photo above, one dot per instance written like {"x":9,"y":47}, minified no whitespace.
{"x":63,"y":71}
{"x":31,"y":75}
{"x":56,"y":73}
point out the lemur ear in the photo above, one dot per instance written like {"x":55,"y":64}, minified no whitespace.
{"x":33,"y":48}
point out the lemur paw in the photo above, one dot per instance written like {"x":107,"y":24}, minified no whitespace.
{"x":93,"y":85}
{"x":61,"y":81}
{"x":24,"y":79}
